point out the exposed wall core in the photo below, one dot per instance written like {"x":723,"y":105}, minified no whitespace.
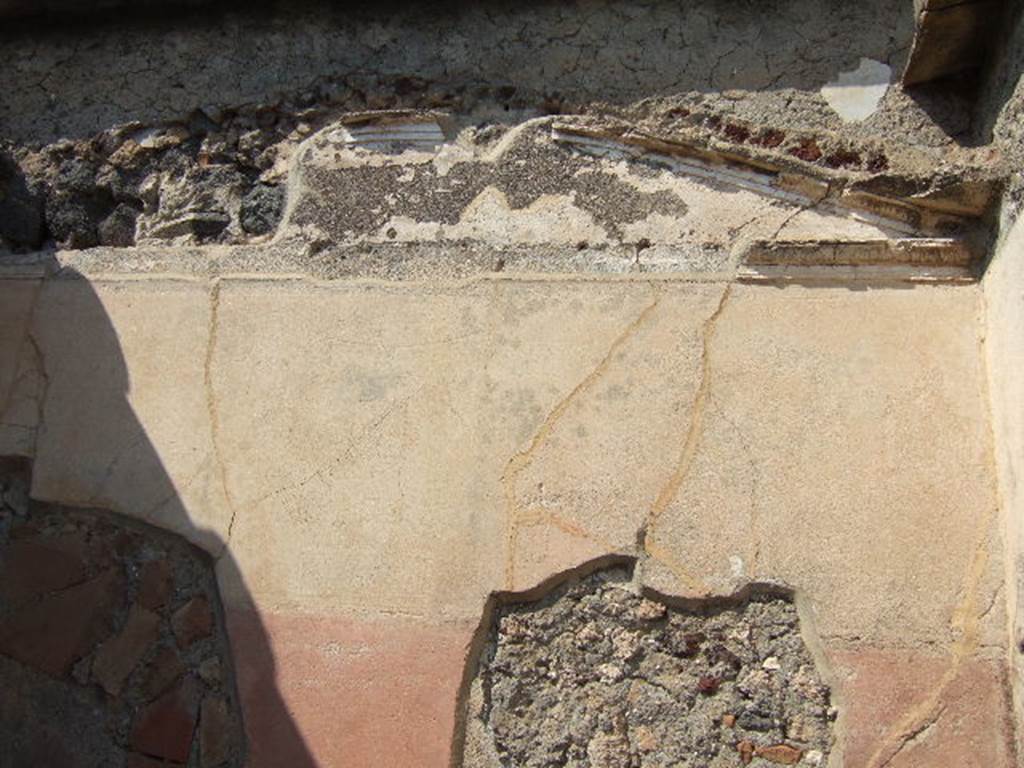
{"x":599,"y":674}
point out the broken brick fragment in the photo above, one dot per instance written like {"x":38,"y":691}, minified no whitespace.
{"x":708,"y":684}
{"x":843,"y":159}
{"x":769,"y":137}
{"x":193,"y":621}
{"x":154,"y":584}
{"x":736,"y":133}
{"x":54,"y":633}
{"x":746,"y":750}
{"x":165,"y":727}
{"x":781,"y":754}
{"x":33,"y":567}
{"x":807,"y":150}
{"x":165,"y":669}
{"x":118,"y":656}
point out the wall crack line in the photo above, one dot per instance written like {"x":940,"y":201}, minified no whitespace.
{"x":213,"y":413}
{"x":524,"y":457}
{"x":40,"y":365}
{"x":966,"y":622}
{"x":694,"y":432}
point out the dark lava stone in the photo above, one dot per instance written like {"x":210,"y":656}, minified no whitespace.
{"x":21,"y":208}
{"x":118,"y":229}
{"x":261,"y":209}
{"x":76,"y":205}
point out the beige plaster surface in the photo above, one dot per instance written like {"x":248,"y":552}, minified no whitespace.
{"x":1004,"y":345}
{"x":408,"y":449}
{"x":126,"y":416}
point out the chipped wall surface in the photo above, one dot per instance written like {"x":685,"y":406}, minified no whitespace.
{"x":600,"y":674}
{"x":654,"y":356}
{"x":447,"y":441}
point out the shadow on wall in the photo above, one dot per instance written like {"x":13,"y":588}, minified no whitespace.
{"x":112,"y":640}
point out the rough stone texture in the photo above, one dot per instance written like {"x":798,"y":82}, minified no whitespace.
{"x":21,"y":209}
{"x":199,"y":158}
{"x":597,"y":674}
{"x":564,"y":182}
{"x":534,"y":56}
{"x":89,"y":675}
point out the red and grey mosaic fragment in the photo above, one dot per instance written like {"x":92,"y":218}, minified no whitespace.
{"x":112,"y":650}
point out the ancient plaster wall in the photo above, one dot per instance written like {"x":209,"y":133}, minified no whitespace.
{"x":1005,"y":349}
{"x":690,"y":288}
{"x":449,"y":440}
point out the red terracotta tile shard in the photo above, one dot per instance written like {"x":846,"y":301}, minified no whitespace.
{"x":52,"y":634}
{"x":165,"y":727}
{"x":119,"y":655}
{"x":193,"y":621}
{"x":746,"y":750}
{"x":781,"y":754}
{"x":165,"y":669}
{"x":214,"y":732}
{"x":154,"y":584}
{"x":33,"y":567}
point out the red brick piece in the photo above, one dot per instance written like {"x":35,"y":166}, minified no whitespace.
{"x":193,"y":621}
{"x":165,"y":669}
{"x":214,"y":732}
{"x":32,"y":567}
{"x":154,"y":584}
{"x":119,"y":655}
{"x":165,"y":727}
{"x":52,"y":634}
{"x":746,"y":750}
{"x":781,"y":754}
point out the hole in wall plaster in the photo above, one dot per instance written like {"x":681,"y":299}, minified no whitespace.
{"x":601,"y":673}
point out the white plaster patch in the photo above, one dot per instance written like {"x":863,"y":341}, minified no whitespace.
{"x":855,"y":95}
